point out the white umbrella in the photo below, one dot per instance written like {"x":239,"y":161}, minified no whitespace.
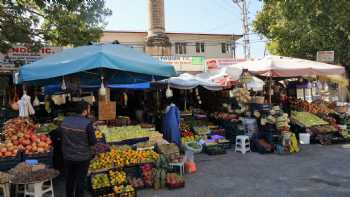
{"x":279,"y":66}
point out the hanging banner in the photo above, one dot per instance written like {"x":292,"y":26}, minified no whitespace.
{"x":19,"y":55}
{"x":217,"y":63}
{"x":184,"y":64}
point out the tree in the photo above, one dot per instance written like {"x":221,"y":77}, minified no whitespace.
{"x":58,"y":22}
{"x":300,"y":28}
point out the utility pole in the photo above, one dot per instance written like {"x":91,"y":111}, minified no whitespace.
{"x":242,"y":4}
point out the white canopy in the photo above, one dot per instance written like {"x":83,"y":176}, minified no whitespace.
{"x":187,"y":81}
{"x":279,"y":66}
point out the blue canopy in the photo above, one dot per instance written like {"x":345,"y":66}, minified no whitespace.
{"x":128,"y":65}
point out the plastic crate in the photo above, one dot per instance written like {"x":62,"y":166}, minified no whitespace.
{"x":10,"y":162}
{"x":215,"y":150}
{"x":102,"y":191}
{"x":226,"y":145}
{"x":45,"y":158}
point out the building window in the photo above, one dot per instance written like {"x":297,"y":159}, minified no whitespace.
{"x":200,"y":48}
{"x":225,"y":47}
{"x":180,"y":48}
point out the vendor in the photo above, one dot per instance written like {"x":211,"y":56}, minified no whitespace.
{"x":77,"y":139}
{"x":171,"y":123}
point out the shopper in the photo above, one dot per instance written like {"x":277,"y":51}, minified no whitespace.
{"x":78,"y":137}
{"x":171,"y":123}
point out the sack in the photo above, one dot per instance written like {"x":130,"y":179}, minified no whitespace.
{"x":190,"y":167}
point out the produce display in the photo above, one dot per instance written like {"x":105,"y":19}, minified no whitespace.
{"x":186,"y":133}
{"x":282,"y":122}
{"x":242,"y":95}
{"x":99,"y":181}
{"x":136,"y":183}
{"x":117,"y":177}
{"x":120,"y":158}
{"x":310,"y":107}
{"x":98,"y":134}
{"x":124,"y":191}
{"x":168,"y":149}
{"x":117,"y":134}
{"x":147,"y":174}
{"x":202,"y":130}
{"x":174,"y":181}
{"x":307,"y":119}
{"x":46,"y":128}
{"x":323,"y":129}
{"x":20,"y":136}
{"x":185,"y":140}
{"x":194,"y":147}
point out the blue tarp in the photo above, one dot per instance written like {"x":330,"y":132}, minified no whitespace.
{"x":128,"y":65}
{"x":56,"y":89}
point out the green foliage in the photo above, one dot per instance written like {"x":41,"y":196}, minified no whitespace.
{"x":300,"y":28}
{"x":59,"y":22}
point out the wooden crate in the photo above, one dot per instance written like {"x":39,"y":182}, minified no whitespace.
{"x":106,"y":110}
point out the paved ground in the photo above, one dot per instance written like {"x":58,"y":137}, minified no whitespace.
{"x":317,"y":171}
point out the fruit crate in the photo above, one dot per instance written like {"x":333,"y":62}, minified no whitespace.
{"x":127,"y":194}
{"x":175,"y":186}
{"x":9,"y":162}
{"x":45,"y":158}
{"x":215,"y":150}
{"x":226,"y":145}
{"x":102,"y":192}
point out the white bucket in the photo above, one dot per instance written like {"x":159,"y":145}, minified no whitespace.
{"x":304,"y":138}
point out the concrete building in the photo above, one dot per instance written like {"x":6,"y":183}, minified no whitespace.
{"x":182,"y":44}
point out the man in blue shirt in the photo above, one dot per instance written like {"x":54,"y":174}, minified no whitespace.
{"x":78,"y":138}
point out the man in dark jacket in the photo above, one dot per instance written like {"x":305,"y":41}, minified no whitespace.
{"x":78,"y":138}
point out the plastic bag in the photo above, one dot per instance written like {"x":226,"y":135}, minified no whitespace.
{"x":190,"y":165}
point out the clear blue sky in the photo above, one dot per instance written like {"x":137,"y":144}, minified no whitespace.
{"x":201,"y":16}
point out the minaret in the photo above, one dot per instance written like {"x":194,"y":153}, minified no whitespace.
{"x":157,"y":42}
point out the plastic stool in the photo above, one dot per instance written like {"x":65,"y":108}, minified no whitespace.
{"x":242,"y":144}
{"x":5,"y":189}
{"x":180,"y":165}
{"x":39,"y":189}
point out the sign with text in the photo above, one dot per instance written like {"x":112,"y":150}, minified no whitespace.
{"x":325,"y":56}
{"x":218,"y":63}
{"x":19,"y":55}
{"x":185,"y":64}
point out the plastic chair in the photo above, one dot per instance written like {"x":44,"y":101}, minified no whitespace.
{"x":39,"y":189}
{"x":5,"y":190}
{"x":242,"y":144}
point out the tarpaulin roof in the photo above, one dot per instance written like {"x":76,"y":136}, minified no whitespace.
{"x":187,"y":81}
{"x":92,"y":57}
{"x":279,"y":66}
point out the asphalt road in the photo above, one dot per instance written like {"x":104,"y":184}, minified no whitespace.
{"x":317,"y":171}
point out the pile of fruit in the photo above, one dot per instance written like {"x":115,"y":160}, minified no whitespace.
{"x":117,"y":177}
{"x":174,"y":180}
{"x":145,"y":145}
{"x":98,"y":134}
{"x":117,"y":134}
{"x":20,"y":136}
{"x":307,"y":119}
{"x":201,"y":130}
{"x":122,"y":157}
{"x":184,"y":127}
{"x":124,"y":191}
{"x":310,"y":107}
{"x":102,"y":161}
{"x":136,"y":183}
{"x":99,"y":181}
{"x":185,"y":140}
{"x":242,"y":95}
{"x":147,"y":174}
{"x":186,"y":133}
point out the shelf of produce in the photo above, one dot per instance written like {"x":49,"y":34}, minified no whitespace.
{"x":7,"y":163}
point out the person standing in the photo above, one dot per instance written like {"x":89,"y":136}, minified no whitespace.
{"x":78,"y":138}
{"x":171,"y":123}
